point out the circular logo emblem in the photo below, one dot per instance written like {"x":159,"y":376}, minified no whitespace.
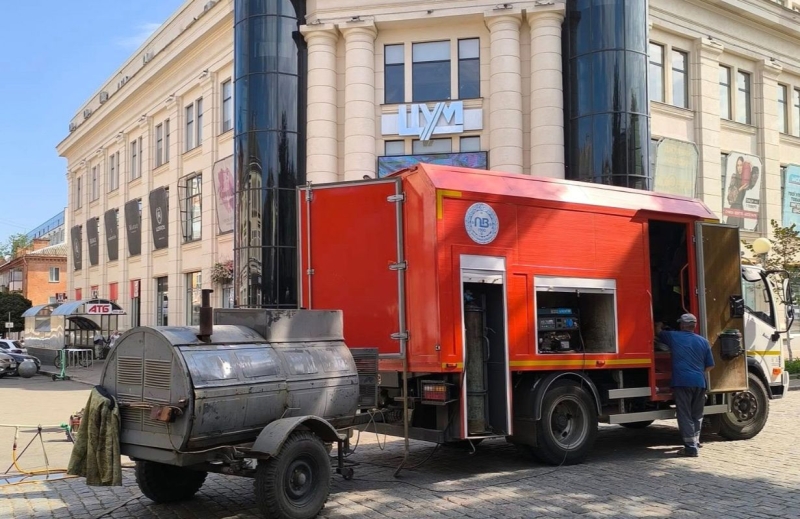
{"x":158,"y":215}
{"x":481,"y":223}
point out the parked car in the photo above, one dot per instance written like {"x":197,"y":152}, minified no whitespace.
{"x":19,"y":358}
{"x":7,"y":365}
{"x":9,"y":346}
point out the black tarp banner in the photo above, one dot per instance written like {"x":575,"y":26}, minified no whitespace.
{"x":77,"y":247}
{"x":159,"y":217}
{"x":92,"y":237}
{"x":133,"y":224}
{"x":112,"y":242}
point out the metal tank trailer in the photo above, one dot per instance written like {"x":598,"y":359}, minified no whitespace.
{"x":255,"y":393}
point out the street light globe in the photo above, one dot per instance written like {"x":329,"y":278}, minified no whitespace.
{"x":761,"y":245}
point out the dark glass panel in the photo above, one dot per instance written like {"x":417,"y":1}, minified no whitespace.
{"x":636,"y":72}
{"x":287,"y":209}
{"x":583,"y":86}
{"x":607,"y":90}
{"x":580,"y":17}
{"x":394,"y":84}
{"x":286,"y":103}
{"x":288,"y":161}
{"x":287,"y":276}
{"x":582,"y":148}
{"x":431,"y":81}
{"x":258,"y":109}
{"x":602,"y":164}
{"x":288,"y":32}
{"x":635,"y":24}
{"x":639,"y":145}
{"x":269,"y":274}
{"x":608,"y":22}
{"x":469,"y":79}
{"x":619,"y":143}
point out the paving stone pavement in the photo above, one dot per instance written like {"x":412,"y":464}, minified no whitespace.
{"x":630,"y":474}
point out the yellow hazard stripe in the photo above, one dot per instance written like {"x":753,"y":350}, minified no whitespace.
{"x":764,"y":353}
{"x":575,"y":362}
{"x":452,"y":365}
{"x":440,"y":195}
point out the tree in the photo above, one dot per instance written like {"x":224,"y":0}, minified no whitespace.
{"x":785,"y":251}
{"x":15,"y":304}
{"x":15,"y":244}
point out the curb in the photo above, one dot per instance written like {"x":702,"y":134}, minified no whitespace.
{"x":72,"y":378}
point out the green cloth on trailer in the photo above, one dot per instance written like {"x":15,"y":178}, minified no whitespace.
{"x":95,"y":454}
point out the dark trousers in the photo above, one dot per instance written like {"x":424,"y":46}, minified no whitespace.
{"x":689,"y":403}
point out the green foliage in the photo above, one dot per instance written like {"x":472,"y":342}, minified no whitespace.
{"x":16,"y":304}
{"x":793,"y":366}
{"x":15,"y":244}
{"x":785,"y":251}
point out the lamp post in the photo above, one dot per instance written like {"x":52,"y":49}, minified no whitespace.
{"x":762,"y":246}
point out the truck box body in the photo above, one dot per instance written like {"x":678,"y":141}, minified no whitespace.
{"x":552,"y":245}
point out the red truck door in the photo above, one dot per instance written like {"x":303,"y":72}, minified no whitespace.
{"x":719,"y":277}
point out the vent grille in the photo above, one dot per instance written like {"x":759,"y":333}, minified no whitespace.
{"x":129,"y":371}
{"x":367,"y":367}
{"x":131,"y":418}
{"x":157,"y":374}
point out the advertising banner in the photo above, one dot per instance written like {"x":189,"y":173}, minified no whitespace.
{"x":112,"y":242}
{"x":742,"y":203}
{"x":159,"y":217}
{"x":676,"y":168}
{"x":391,"y":163}
{"x":225,"y":191}
{"x":791,"y":196}
{"x":92,"y":236}
{"x":133,"y":225}
{"x":77,"y":247}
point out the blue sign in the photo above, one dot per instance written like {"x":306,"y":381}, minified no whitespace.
{"x":791,"y":196}
{"x":481,"y":223}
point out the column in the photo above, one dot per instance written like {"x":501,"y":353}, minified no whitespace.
{"x":547,"y":93}
{"x":322,"y":154}
{"x":765,"y":105}
{"x":505,"y":93}
{"x":705,"y":99}
{"x":359,"y":104}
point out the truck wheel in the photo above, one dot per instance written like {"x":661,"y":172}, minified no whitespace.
{"x":750,"y":412}
{"x":637,"y":425}
{"x":294,"y":484}
{"x":568,"y":428}
{"x":167,"y":483}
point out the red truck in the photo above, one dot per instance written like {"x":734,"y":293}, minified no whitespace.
{"x":507,"y":305}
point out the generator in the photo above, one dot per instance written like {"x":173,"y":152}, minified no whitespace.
{"x":558,"y":330}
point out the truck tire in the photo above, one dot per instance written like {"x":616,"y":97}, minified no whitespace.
{"x":296,"y":483}
{"x":751,"y":409}
{"x":568,"y":428}
{"x":637,"y":425}
{"x":167,"y":483}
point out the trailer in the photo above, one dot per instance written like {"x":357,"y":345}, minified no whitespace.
{"x":506,"y":305}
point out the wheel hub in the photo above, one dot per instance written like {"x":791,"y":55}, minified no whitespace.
{"x":567,"y":424}
{"x":300,"y":480}
{"x":744,"y":406}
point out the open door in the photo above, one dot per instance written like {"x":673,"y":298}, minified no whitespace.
{"x":718,"y":278}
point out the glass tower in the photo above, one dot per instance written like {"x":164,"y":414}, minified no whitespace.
{"x":269,"y":140}
{"x":605,"y":88}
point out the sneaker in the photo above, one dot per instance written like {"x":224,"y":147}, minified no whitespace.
{"x":689,"y":452}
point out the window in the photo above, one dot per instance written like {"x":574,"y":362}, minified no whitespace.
{"x":430,"y":71}
{"x":166,"y":141}
{"x":136,"y":308}
{"x":193,"y":285}
{"x":227,"y":296}
{"x":394,"y":148}
{"x":680,"y":79}
{"x":199,"y":123}
{"x":95,"y":290}
{"x":469,"y":69}
{"x":394,"y":74}
{"x":656,"y":72}
{"x":724,"y":92}
{"x":227,"y":106}
{"x":113,"y":291}
{"x":55,"y":275}
{"x":135,"y":173}
{"x":796,"y":114}
{"x":432,"y":146}
{"x":192,"y":208}
{"x":757,"y":301}
{"x":189,"y":127}
{"x":724,"y":175}
{"x":78,"y":294}
{"x":468,"y":144}
{"x":113,"y":172}
{"x":162,"y":301}
{"x":79,"y":192}
{"x":159,"y":145}
{"x":783,"y":112}
{"x":743,"y":98}
{"x":95,"y":194}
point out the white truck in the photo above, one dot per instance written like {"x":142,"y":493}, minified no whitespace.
{"x":769,"y":314}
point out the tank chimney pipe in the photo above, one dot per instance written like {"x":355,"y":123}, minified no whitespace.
{"x":206,"y":316}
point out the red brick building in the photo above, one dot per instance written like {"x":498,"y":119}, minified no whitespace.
{"x":39,"y":272}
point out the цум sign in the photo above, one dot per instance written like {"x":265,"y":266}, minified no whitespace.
{"x":420,"y":120}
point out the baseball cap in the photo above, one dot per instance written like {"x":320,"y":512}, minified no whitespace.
{"x":687,"y":318}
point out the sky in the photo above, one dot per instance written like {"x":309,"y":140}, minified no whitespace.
{"x":56,"y":54}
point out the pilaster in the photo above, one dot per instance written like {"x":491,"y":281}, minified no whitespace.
{"x":359,"y":123}
{"x":765,"y":105}
{"x":705,"y":95}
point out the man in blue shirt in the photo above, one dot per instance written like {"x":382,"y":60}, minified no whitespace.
{"x":691,"y":359}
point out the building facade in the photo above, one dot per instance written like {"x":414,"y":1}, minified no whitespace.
{"x":695,"y":98}
{"x":39,"y":272}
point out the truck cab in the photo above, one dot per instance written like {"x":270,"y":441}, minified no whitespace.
{"x":769,"y":314}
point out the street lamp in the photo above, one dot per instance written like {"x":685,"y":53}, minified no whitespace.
{"x":762,"y":246}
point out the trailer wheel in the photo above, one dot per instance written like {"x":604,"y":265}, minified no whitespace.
{"x":568,"y":428}
{"x":750,"y":412}
{"x":167,"y":483}
{"x":638,"y":425}
{"x":294,"y":484}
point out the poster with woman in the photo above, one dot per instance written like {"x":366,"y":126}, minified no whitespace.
{"x":224,"y":188}
{"x":741,"y":202}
